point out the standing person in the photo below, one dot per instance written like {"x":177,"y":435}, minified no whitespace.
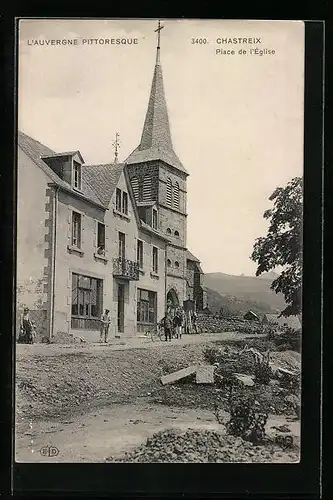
{"x":105,"y":325}
{"x":177,"y":323}
{"x":167,"y":327}
{"x":27,"y":328}
{"x":194,"y":321}
{"x":182,"y":316}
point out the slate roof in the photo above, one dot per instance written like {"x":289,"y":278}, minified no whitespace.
{"x":103,"y":179}
{"x":148,"y":228}
{"x":35,"y":150}
{"x":252,"y":314}
{"x":156,"y":142}
{"x":98,"y":181}
{"x":190,"y":256}
{"x":66,"y":153}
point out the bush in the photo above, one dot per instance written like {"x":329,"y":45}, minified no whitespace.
{"x":286,"y":339}
{"x":211,"y":354}
{"x":245,"y":421}
{"x":292,"y":383}
{"x":263,"y":372}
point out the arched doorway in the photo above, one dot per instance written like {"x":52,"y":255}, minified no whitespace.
{"x":172,"y":301}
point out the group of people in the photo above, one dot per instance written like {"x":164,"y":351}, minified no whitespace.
{"x":176,"y":322}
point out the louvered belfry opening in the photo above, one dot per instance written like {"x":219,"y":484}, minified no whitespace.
{"x":146,"y":188}
{"x":176,"y":195}
{"x":135,"y":187}
{"x":169,"y":192}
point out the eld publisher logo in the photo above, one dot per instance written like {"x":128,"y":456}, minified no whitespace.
{"x":49,"y":451}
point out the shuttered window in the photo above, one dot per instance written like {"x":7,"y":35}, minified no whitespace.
{"x":176,"y":195}
{"x":146,"y":188}
{"x":135,"y":187}
{"x":169,"y":192}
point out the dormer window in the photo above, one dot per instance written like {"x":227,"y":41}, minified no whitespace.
{"x":76,"y":175}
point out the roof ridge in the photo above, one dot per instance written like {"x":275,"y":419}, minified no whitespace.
{"x":120,"y":164}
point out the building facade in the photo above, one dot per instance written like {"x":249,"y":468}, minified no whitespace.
{"x":113,"y":236}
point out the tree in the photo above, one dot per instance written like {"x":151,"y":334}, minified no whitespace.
{"x":282,"y":246}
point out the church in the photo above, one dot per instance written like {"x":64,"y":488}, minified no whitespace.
{"x":111,"y":236}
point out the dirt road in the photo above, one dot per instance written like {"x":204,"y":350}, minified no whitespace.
{"x":114,"y":430}
{"x":24,"y":350}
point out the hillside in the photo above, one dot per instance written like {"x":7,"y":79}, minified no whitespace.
{"x":243,"y":292}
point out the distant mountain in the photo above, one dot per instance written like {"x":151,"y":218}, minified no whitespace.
{"x":250,"y":289}
{"x":233,"y":306}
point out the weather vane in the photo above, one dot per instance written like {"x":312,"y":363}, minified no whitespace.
{"x":116,"y":146}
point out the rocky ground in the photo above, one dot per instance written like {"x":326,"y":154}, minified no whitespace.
{"x":203,"y":446}
{"x":68,"y":385}
{"x":47,"y":386}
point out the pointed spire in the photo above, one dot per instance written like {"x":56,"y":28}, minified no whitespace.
{"x":156,"y":128}
{"x":156,"y":142}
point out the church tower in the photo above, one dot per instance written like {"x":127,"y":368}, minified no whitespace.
{"x":158,"y":177}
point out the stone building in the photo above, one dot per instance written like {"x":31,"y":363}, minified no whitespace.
{"x":82,"y":246}
{"x":113,"y":236}
{"x":158,"y":176}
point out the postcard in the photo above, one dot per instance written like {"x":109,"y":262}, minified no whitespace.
{"x":159,"y":241}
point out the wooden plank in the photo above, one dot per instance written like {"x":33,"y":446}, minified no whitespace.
{"x":173,"y":377}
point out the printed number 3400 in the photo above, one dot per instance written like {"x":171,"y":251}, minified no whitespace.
{"x":199,"y":40}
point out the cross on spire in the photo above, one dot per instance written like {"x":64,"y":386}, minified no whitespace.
{"x":158,"y":31}
{"x":116,"y":145}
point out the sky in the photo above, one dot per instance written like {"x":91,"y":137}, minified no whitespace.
{"x":236,"y":120}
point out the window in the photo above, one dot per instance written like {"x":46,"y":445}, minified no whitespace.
{"x":86,"y":301}
{"x":177,"y":234}
{"x":76,"y":175}
{"x":135,"y":187}
{"x":146,"y":306}
{"x":121,"y":245}
{"x":155,"y":260}
{"x":140,"y":254}
{"x":169,"y":230}
{"x":100,"y":238}
{"x":76,"y":229}
{"x":146,"y":188}
{"x":176,"y":195}
{"x":169,"y":192}
{"x":125,"y":203}
{"x":118,"y":200}
{"x":121,"y":201}
{"x":169,"y":262}
{"x":176,"y":264}
{"x":154,"y":219}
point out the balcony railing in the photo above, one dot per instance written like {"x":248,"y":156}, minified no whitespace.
{"x":124,"y":268}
